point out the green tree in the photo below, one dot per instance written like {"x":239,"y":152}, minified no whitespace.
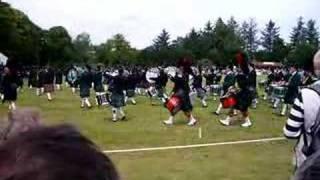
{"x":20,"y":38}
{"x":162,"y":42}
{"x":57,"y":47}
{"x":299,"y":33}
{"x":83,"y":48}
{"x":116,"y":50}
{"x":269,"y":36}
{"x":249,"y":34}
{"x":312,"y":34}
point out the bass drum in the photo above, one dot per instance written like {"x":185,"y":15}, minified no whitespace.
{"x":171,"y":71}
{"x":152,"y":73}
{"x":72,"y":75}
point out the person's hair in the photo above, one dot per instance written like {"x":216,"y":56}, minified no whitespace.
{"x":54,"y":153}
{"x":19,"y":121}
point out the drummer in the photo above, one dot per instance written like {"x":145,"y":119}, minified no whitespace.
{"x":293,"y":88}
{"x":209,"y":76}
{"x":117,"y":88}
{"x":197,"y":86}
{"x":160,"y":85}
{"x":181,"y":89}
{"x":270,"y":79}
{"x":253,"y":84}
{"x":244,"y":95}
{"x":97,"y":84}
{"x":229,"y":81}
{"x":131,"y":85}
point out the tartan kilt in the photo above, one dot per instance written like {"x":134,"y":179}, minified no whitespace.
{"x":117,"y":100}
{"x":244,"y":100}
{"x":130,"y":93}
{"x":84,"y":92}
{"x":48,"y":88}
{"x":186,"y":105}
{"x":201,"y":93}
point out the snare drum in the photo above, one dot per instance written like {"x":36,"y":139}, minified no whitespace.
{"x":102,"y":99}
{"x":279,"y":92}
{"x":216,"y":89}
{"x":152,"y":92}
{"x":174,"y":104}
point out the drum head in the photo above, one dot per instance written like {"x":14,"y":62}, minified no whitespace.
{"x":152,"y":73}
{"x":171,"y":71}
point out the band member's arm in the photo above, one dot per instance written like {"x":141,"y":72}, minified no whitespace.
{"x":294,"y":125}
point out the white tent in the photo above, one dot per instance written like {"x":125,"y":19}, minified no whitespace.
{"x":3,"y":59}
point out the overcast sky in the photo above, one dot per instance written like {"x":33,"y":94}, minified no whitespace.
{"x":141,"y":20}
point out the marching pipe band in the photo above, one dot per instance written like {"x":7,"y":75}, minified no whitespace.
{"x":235,"y":85}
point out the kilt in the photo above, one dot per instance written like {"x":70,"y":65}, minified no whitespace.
{"x":244,"y":99}
{"x":130,"y":93}
{"x":98,"y":88}
{"x":10,"y":93}
{"x":84,"y":92}
{"x":160,"y":92}
{"x":186,"y":105}
{"x":48,"y":88}
{"x":201,"y":93}
{"x":117,"y":100}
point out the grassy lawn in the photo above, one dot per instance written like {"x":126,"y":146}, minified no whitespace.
{"x":144,"y":129}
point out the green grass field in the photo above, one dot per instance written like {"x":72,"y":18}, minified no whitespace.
{"x":144,"y":128}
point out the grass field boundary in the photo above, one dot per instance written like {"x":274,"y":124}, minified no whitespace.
{"x":195,"y":145}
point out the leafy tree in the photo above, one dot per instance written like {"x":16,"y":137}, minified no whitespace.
{"x":58,"y":48}
{"x":83,"y":48}
{"x":117,"y":50}
{"x":20,"y":38}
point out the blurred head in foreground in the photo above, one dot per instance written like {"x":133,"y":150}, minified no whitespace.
{"x":53,"y":153}
{"x":19,"y":121}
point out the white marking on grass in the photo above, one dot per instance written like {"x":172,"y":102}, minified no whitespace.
{"x":196,"y":145}
{"x":200,"y":133}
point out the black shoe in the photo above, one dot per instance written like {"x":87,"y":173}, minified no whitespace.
{"x":215,"y":113}
{"x":123,"y":118}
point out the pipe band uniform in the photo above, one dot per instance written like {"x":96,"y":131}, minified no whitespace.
{"x":180,"y":100}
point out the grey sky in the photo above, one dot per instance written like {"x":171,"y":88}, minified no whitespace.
{"x":141,"y":20}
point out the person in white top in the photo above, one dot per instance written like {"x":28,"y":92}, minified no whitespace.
{"x":303,"y":114}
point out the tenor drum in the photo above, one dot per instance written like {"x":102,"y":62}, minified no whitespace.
{"x":228,"y":102}
{"x":174,"y":104}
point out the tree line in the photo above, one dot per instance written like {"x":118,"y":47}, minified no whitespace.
{"x":215,"y":43}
